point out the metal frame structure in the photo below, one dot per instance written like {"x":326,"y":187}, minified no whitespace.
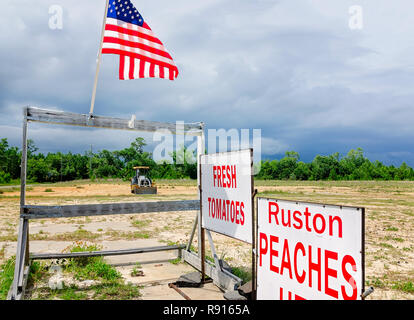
{"x":222,"y":278}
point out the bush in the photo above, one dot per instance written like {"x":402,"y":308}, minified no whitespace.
{"x":4,"y":177}
{"x":6,"y":277}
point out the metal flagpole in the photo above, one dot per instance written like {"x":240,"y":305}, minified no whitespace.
{"x":98,"y":61}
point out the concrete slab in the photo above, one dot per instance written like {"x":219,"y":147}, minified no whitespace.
{"x":160,"y":292}
{"x":234,"y":295}
{"x":155,"y":273}
{"x":157,"y":269}
{"x":207,"y":291}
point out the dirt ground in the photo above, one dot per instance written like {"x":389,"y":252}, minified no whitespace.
{"x":389,"y":233}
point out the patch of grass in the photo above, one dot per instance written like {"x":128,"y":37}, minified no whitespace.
{"x":95,"y":270}
{"x":48,"y":190}
{"x":6,"y":277}
{"x":38,"y":272}
{"x":9,"y":237}
{"x":127,"y":235}
{"x":136,"y":270}
{"x":176,"y":261}
{"x":2,"y":251}
{"x":77,"y":235}
{"x":115,"y":291}
{"x":72,"y":293}
{"x":140,"y":223}
{"x":376,"y":283}
{"x":103,"y":291}
{"x":172,"y":243}
{"x":110,"y":284}
{"x":391,"y":229}
{"x":86,"y":268}
{"x":209,"y":258}
{"x":41,"y":235}
{"x":242,"y":273}
{"x":275,"y":191}
{"x":406,"y":286}
{"x":397,"y":239}
{"x":386,"y":245}
{"x":67,"y":293}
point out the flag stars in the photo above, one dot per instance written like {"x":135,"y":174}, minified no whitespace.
{"x":125,"y":10}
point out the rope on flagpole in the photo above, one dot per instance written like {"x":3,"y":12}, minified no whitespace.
{"x":98,"y":61}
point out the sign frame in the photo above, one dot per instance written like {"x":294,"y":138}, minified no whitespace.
{"x":324,"y":205}
{"x":253,"y":220}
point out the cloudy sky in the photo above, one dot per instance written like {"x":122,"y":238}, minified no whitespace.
{"x":314,"y":75}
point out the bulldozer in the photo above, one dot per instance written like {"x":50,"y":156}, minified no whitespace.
{"x":141,"y":183}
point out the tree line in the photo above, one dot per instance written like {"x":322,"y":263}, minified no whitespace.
{"x":353,"y":166}
{"x":53,"y":167}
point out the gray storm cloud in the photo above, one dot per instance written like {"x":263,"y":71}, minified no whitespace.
{"x":293,"y":69}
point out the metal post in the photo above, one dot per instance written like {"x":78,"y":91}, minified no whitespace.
{"x":253,"y":245}
{"x":23,"y":237}
{"x":192,"y":233}
{"x":254,"y":192}
{"x":200,"y":151}
{"x":23,"y":164}
{"x":203,"y":256}
{"x":98,"y":61}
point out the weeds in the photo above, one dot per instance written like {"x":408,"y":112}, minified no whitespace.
{"x":407,"y":286}
{"x":115,"y":291}
{"x":140,"y":223}
{"x":110,"y":285}
{"x":6,"y":277}
{"x":242,"y":273}
{"x":38,"y":271}
{"x":176,"y":261}
{"x":85,"y":268}
{"x":136,"y":271}
{"x":2,"y":251}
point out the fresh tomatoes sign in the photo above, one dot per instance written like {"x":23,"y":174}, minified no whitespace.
{"x":309,"y":251}
{"x":226,"y":193}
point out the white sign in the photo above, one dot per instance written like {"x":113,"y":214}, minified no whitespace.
{"x":309,"y":251}
{"x":226,"y":193}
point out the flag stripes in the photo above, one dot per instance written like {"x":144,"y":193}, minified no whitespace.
{"x":142,"y":54}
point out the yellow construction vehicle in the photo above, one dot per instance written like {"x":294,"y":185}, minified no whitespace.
{"x":141,"y":183}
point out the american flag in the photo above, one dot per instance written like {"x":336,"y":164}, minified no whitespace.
{"x":142,"y":54}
